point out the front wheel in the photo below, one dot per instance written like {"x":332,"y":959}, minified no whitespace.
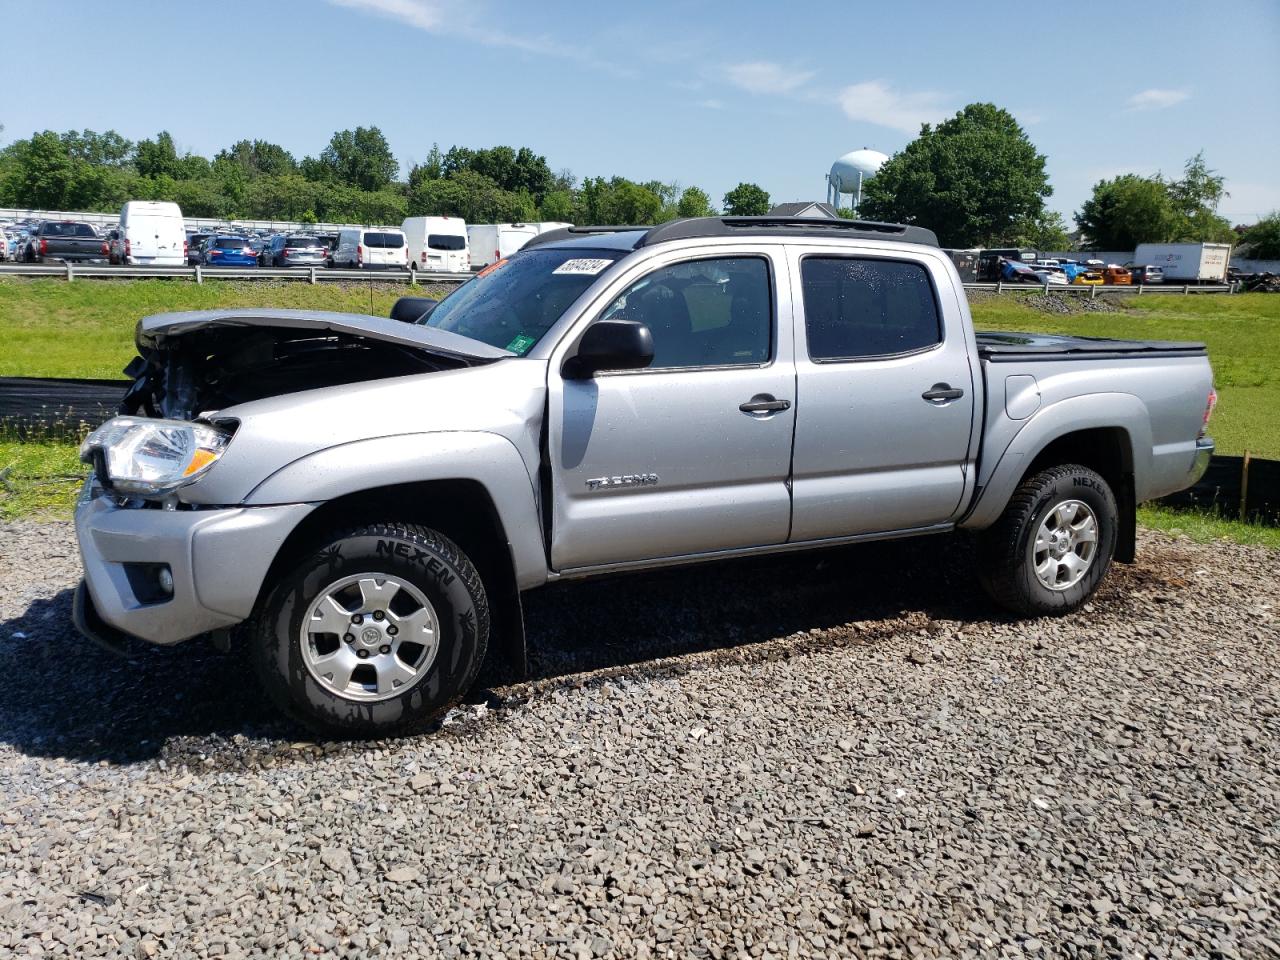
{"x":1053,"y":544}
{"x":376,"y":633}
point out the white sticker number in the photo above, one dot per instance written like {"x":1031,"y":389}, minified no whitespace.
{"x":584,"y":266}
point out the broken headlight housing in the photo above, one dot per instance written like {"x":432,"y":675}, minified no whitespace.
{"x":151,"y":458}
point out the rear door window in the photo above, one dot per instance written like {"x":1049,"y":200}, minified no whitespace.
{"x":446,"y":241}
{"x":856,"y":308}
{"x":386,"y":241}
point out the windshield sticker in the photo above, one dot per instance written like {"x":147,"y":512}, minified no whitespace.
{"x":587,"y":267}
{"x":521,"y":344}
{"x":491,"y":267}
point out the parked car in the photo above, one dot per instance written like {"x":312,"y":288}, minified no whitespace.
{"x":1014,"y":271}
{"x":437,"y":243}
{"x":228,"y":251}
{"x":1051,"y":274}
{"x":1116,"y":275}
{"x":490,"y":242}
{"x":65,"y":241}
{"x":4,"y":241}
{"x":16,"y":243}
{"x":152,"y":233}
{"x":295,"y":250}
{"x":371,"y":248}
{"x":1078,"y":273}
{"x":195,"y":244}
{"x":1145,"y":273}
{"x":369,"y":497}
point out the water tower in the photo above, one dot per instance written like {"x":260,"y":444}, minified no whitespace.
{"x":848,"y":173}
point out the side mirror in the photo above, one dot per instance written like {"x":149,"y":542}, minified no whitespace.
{"x":614,"y":344}
{"x":412,"y":309}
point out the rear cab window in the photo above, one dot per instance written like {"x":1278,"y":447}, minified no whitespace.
{"x":859,"y":308}
{"x":446,"y":241}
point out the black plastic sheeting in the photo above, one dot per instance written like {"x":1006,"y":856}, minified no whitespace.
{"x":1223,"y":482}
{"x":35,"y":406}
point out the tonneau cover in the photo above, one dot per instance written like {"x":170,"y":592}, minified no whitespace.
{"x":997,"y":346}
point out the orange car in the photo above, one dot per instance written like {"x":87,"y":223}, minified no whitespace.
{"x":1119,"y":276}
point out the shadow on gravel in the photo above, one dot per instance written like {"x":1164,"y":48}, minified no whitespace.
{"x":63,"y":696}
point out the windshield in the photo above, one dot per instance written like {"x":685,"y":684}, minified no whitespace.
{"x":513,"y":303}
{"x":389,"y":241}
{"x":446,"y":241}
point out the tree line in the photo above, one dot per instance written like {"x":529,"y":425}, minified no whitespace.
{"x":975,"y":179}
{"x":354,"y":179}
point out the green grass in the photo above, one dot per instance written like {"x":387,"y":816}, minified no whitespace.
{"x":1242,"y":333}
{"x":1204,"y":526}
{"x":38,"y":480}
{"x":51,"y":328}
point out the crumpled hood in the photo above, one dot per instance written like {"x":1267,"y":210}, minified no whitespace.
{"x":153,"y":331}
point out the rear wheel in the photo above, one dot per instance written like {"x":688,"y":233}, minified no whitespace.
{"x":1053,"y":544}
{"x":378,"y":632}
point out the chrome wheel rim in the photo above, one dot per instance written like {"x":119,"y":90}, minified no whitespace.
{"x":1065,"y":545}
{"x":369,"y":636}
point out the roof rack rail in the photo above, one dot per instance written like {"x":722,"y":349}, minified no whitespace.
{"x":568,"y":233}
{"x":785,"y":227}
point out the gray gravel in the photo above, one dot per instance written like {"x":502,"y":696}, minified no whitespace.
{"x":846,"y":754}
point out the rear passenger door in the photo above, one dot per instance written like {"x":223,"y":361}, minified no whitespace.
{"x":692,"y":454}
{"x":886,"y":393}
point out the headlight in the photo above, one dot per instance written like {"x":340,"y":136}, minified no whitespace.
{"x":152,"y":457}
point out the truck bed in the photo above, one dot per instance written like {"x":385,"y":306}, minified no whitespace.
{"x":1004,"y":347}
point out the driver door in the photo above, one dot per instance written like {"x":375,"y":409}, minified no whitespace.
{"x":692,"y":454}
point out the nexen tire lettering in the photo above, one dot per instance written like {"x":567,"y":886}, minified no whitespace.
{"x":415,"y":555}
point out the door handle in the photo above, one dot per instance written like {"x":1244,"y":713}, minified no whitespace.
{"x":941,"y":393}
{"x":764,"y":403}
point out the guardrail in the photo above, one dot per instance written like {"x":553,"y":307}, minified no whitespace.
{"x":1101,"y":290}
{"x":77,"y":271}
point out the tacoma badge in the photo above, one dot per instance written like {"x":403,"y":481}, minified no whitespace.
{"x":627,"y":480}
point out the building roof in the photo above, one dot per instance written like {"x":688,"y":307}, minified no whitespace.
{"x":804,"y":208}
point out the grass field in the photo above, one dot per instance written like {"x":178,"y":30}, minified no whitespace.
{"x":57,"y":329}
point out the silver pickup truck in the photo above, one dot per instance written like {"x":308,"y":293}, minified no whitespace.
{"x":366,"y":498}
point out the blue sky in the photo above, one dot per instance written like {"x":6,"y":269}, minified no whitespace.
{"x":709,"y":94}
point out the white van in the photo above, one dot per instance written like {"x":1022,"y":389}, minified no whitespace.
{"x":437,"y":243}
{"x":372,"y":248}
{"x":491,"y":242}
{"x":152,"y":232}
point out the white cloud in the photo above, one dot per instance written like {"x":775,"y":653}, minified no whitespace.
{"x":466,"y":20}
{"x":763,"y":76}
{"x":423,"y":14}
{"x":875,"y":102}
{"x":711,"y":104}
{"x":1156,"y":99}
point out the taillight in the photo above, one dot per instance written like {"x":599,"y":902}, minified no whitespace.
{"x":128,"y":249}
{"x":105,"y":249}
{"x":1208,"y":411}
{"x":186,"y":249}
{"x":44,"y":246}
{"x":359,"y":253}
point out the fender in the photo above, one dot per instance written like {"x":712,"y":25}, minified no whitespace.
{"x":1109,"y":410}
{"x":487,"y":458}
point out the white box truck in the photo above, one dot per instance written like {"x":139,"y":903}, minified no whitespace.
{"x":1186,"y":262}
{"x":490,"y":242}
{"x":437,"y":244}
{"x":152,"y":232}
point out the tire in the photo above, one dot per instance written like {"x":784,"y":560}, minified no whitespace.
{"x":421,"y":565}
{"x":1063,"y":497}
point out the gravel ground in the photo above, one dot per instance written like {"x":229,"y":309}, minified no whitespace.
{"x":845,"y":754}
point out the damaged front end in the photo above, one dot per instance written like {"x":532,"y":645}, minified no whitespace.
{"x":191,"y":365}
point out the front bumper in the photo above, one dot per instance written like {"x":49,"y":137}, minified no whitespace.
{"x":218,"y":559}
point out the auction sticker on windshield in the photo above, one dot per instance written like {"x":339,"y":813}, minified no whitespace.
{"x":590,"y":267}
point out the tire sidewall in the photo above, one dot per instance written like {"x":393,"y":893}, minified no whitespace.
{"x":463,"y":635}
{"x":1089,"y":488}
